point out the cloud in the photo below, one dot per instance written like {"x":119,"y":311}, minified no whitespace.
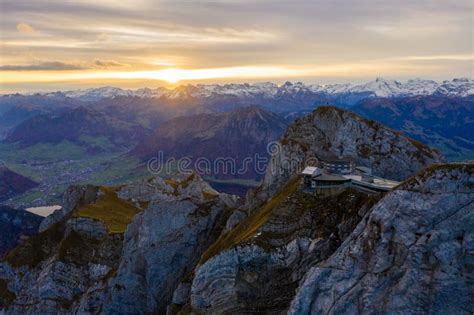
{"x":465,"y":57}
{"x":429,"y":38}
{"x":48,"y":65}
{"x":102,"y":37}
{"x":58,"y":66}
{"x":107,"y":64}
{"x":24,"y":28}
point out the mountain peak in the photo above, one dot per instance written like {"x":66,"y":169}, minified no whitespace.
{"x":239,"y":134}
{"x":330,"y":131}
{"x":463,"y":80}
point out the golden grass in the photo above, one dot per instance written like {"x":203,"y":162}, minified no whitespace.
{"x":248,"y":228}
{"x":116,"y":213}
{"x":172,"y":183}
{"x":209,"y":195}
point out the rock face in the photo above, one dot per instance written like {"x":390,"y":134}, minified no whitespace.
{"x":261,"y":273}
{"x":412,"y":253}
{"x":59,"y":267}
{"x":77,"y":265}
{"x":164,"y":243}
{"x":73,"y":197}
{"x":330,"y":132}
{"x":52,"y":271}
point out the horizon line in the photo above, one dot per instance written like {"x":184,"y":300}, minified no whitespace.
{"x":250,"y":82}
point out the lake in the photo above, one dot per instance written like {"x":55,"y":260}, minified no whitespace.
{"x":43,"y":211}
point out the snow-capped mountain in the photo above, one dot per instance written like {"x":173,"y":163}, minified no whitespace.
{"x":94,"y":94}
{"x":392,"y":88}
{"x":456,"y":87}
{"x":379,"y":87}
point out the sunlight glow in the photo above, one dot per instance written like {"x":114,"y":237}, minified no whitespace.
{"x":175,"y":75}
{"x":172,"y":75}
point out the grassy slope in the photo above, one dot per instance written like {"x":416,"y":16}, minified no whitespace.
{"x":250,"y":225}
{"x":113,"y":211}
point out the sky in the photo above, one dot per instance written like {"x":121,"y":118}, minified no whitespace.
{"x":66,"y":44}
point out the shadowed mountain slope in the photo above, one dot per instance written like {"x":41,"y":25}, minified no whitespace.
{"x":12,"y":183}
{"x":81,"y":125}
{"x":14,"y":225}
{"x":239,"y":134}
{"x":443,"y":122}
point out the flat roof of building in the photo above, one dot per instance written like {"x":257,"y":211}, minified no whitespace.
{"x":364,"y":169}
{"x":310,"y":170}
{"x":378,"y":182}
{"x":330,"y":178}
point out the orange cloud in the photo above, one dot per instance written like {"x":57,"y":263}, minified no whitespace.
{"x":24,"y":28}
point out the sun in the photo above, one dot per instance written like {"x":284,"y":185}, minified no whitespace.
{"x":174,"y":75}
{"x":170,"y":75}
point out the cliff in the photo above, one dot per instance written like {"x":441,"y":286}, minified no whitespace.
{"x":114,"y":249}
{"x":412,"y":253}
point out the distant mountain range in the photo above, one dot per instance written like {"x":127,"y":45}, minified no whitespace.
{"x":238,"y":134}
{"x":380,"y":87}
{"x":12,"y":184}
{"x":110,"y":118}
{"x":443,"y":122}
{"x":81,"y":125}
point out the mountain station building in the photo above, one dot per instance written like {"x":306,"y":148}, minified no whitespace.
{"x":334,"y":176}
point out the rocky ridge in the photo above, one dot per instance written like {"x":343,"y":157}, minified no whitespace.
{"x":379,"y":87}
{"x":163,"y":244}
{"x":260,"y":271}
{"x":412,"y":253}
{"x":329,"y":133}
{"x":409,"y":251}
{"x":86,"y":260}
